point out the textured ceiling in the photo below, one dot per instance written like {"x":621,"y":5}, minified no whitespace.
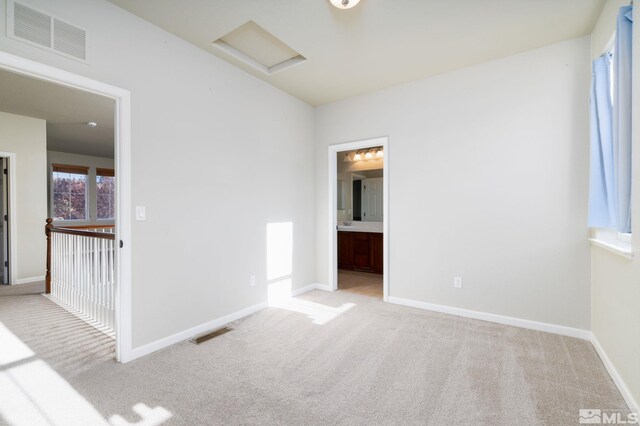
{"x":378,"y":43}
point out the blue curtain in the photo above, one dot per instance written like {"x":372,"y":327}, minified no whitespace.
{"x":622,"y":118}
{"x":610,"y":169}
{"x":601,"y":179}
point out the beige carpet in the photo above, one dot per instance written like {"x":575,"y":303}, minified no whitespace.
{"x":30,"y":288}
{"x":68,"y":345}
{"x":342,"y":358}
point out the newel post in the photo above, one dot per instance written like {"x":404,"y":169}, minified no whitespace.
{"x":47,"y":232}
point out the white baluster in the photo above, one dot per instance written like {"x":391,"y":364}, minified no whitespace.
{"x":83,"y":276}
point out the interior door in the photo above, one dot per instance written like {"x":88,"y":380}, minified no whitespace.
{"x":372,"y":200}
{"x":4,"y":221}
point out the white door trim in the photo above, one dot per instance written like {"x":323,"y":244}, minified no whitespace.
{"x":122,"y":136}
{"x":12,"y":212}
{"x":333,"y":215}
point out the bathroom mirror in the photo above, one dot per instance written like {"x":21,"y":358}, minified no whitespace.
{"x":342,"y":195}
{"x":360,"y":196}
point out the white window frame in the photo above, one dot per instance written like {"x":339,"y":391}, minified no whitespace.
{"x":613,"y":241}
{"x":103,"y":220}
{"x":87,"y":216}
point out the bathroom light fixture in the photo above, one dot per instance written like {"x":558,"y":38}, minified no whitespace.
{"x":366,"y":154}
{"x":344,"y":4}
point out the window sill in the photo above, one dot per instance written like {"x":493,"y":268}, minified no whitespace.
{"x":619,"y":248}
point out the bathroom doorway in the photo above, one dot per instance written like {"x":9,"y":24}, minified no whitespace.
{"x":359,"y":217}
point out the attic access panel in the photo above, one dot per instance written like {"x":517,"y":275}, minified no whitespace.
{"x":258,"y":48}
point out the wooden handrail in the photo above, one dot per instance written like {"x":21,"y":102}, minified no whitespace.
{"x":49,"y":228}
{"x":90,"y":227}
{"x":84,"y":233}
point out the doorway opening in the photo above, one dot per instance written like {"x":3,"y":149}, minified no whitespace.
{"x":4,"y":221}
{"x":358,"y":249}
{"x":89,"y":201}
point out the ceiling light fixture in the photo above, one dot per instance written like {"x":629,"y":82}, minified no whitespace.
{"x":344,"y":4}
{"x":374,"y":153}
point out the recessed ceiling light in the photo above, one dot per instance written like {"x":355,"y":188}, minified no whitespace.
{"x":344,"y":4}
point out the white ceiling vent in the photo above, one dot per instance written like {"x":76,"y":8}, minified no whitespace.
{"x":255,"y":46}
{"x":40,"y":29}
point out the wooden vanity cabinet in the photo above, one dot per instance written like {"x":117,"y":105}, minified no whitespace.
{"x":345,"y":250}
{"x":377,"y":260}
{"x":360,"y":251}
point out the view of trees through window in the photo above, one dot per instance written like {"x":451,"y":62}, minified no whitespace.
{"x":105,"y":192}
{"x":69,"y":196}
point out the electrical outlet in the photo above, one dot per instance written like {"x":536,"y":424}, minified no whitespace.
{"x":252,"y":280}
{"x":457,"y":282}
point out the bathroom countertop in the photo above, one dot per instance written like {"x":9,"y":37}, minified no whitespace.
{"x":357,"y":226}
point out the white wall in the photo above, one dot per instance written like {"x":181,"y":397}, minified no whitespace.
{"x":54,"y":157}
{"x":27,"y":138}
{"x":488,"y":180}
{"x":615,"y":281}
{"x":198,"y":125}
{"x":603,"y":31}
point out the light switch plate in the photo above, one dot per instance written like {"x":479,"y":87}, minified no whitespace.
{"x":141,"y":213}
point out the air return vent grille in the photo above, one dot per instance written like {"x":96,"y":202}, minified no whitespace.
{"x":68,"y":39}
{"x":40,"y":29}
{"x":32,"y":25}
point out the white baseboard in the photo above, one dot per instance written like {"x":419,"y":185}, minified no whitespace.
{"x":323,"y":287}
{"x":29,"y":280}
{"x":217,"y":323}
{"x":500,"y":319}
{"x":310,"y":287}
{"x":302,"y":290}
{"x":189,"y":333}
{"x":615,"y":376}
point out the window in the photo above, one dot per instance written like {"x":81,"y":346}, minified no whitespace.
{"x":611,"y":142}
{"x":69,"y":192}
{"x":105,"y":193}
